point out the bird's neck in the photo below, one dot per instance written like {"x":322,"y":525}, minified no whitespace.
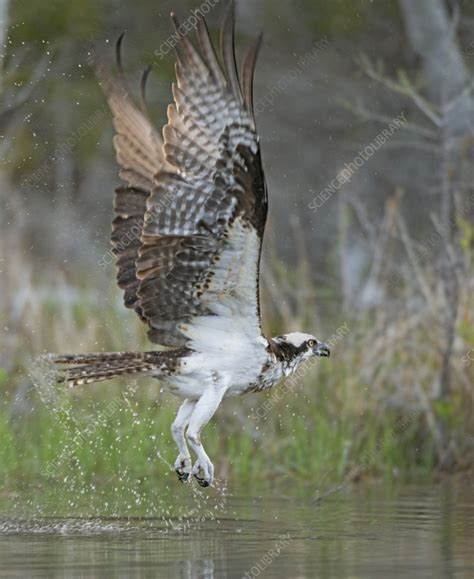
{"x":285,"y":354}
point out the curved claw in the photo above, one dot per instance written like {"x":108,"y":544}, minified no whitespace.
{"x":201,"y":481}
{"x":182,"y":468}
{"x":183,"y":476}
{"x":204,"y":474}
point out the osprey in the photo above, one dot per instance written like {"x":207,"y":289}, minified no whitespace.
{"x":187,"y":234}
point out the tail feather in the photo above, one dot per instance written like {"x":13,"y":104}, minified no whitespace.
{"x":81,"y":369}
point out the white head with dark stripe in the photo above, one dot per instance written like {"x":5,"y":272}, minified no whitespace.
{"x":296,"y":347}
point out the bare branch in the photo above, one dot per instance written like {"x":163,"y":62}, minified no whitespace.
{"x":365,"y":114}
{"x":403,"y":87}
{"x":419,"y":275}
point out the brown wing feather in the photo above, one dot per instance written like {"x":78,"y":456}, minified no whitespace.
{"x":129,"y":210}
{"x":228,"y":52}
{"x":137,"y":143}
{"x":211,"y":140}
{"x":248,"y":68}
{"x":139,"y":150}
{"x":174,"y":232}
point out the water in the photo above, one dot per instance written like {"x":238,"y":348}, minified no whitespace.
{"x":366,"y":531}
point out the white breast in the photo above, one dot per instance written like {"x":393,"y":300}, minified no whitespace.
{"x":228,"y":345}
{"x":226,"y":357}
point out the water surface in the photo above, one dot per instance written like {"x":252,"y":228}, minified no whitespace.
{"x":365,"y":531}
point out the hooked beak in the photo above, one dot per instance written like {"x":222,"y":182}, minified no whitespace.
{"x":322,"y":349}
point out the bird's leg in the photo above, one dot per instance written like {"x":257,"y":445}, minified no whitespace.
{"x":182,"y":466}
{"x":204,"y":410}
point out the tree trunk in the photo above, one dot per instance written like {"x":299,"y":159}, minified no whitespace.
{"x":433,"y":37}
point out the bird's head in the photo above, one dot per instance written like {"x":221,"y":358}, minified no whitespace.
{"x":297,"y":347}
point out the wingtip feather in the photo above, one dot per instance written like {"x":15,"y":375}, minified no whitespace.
{"x":118,"y":51}
{"x":248,"y":69}
{"x":228,"y":50}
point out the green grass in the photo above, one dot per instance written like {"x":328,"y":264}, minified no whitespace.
{"x":368,"y":411}
{"x":95,"y":436}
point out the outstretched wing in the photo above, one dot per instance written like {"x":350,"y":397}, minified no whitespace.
{"x":139,"y":150}
{"x":204,"y":222}
{"x":197,"y":260}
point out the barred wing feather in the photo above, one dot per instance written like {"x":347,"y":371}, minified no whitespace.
{"x":139,"y":150}
{"x":199,"y":249}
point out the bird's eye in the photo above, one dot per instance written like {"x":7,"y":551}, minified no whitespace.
{"x":311,"y":343}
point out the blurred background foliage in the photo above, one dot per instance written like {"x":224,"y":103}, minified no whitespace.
{"x":389,"y":253}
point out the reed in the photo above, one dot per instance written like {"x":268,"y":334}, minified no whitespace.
{"x":372,"y":409}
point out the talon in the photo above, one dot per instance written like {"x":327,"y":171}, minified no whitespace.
{"x":183,"y":476}
{"x":201,"y":481}
{"x":203,"y":475}
{"x":182,"y":468}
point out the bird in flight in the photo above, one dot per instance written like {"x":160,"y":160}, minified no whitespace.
{"x":187,"y":235}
